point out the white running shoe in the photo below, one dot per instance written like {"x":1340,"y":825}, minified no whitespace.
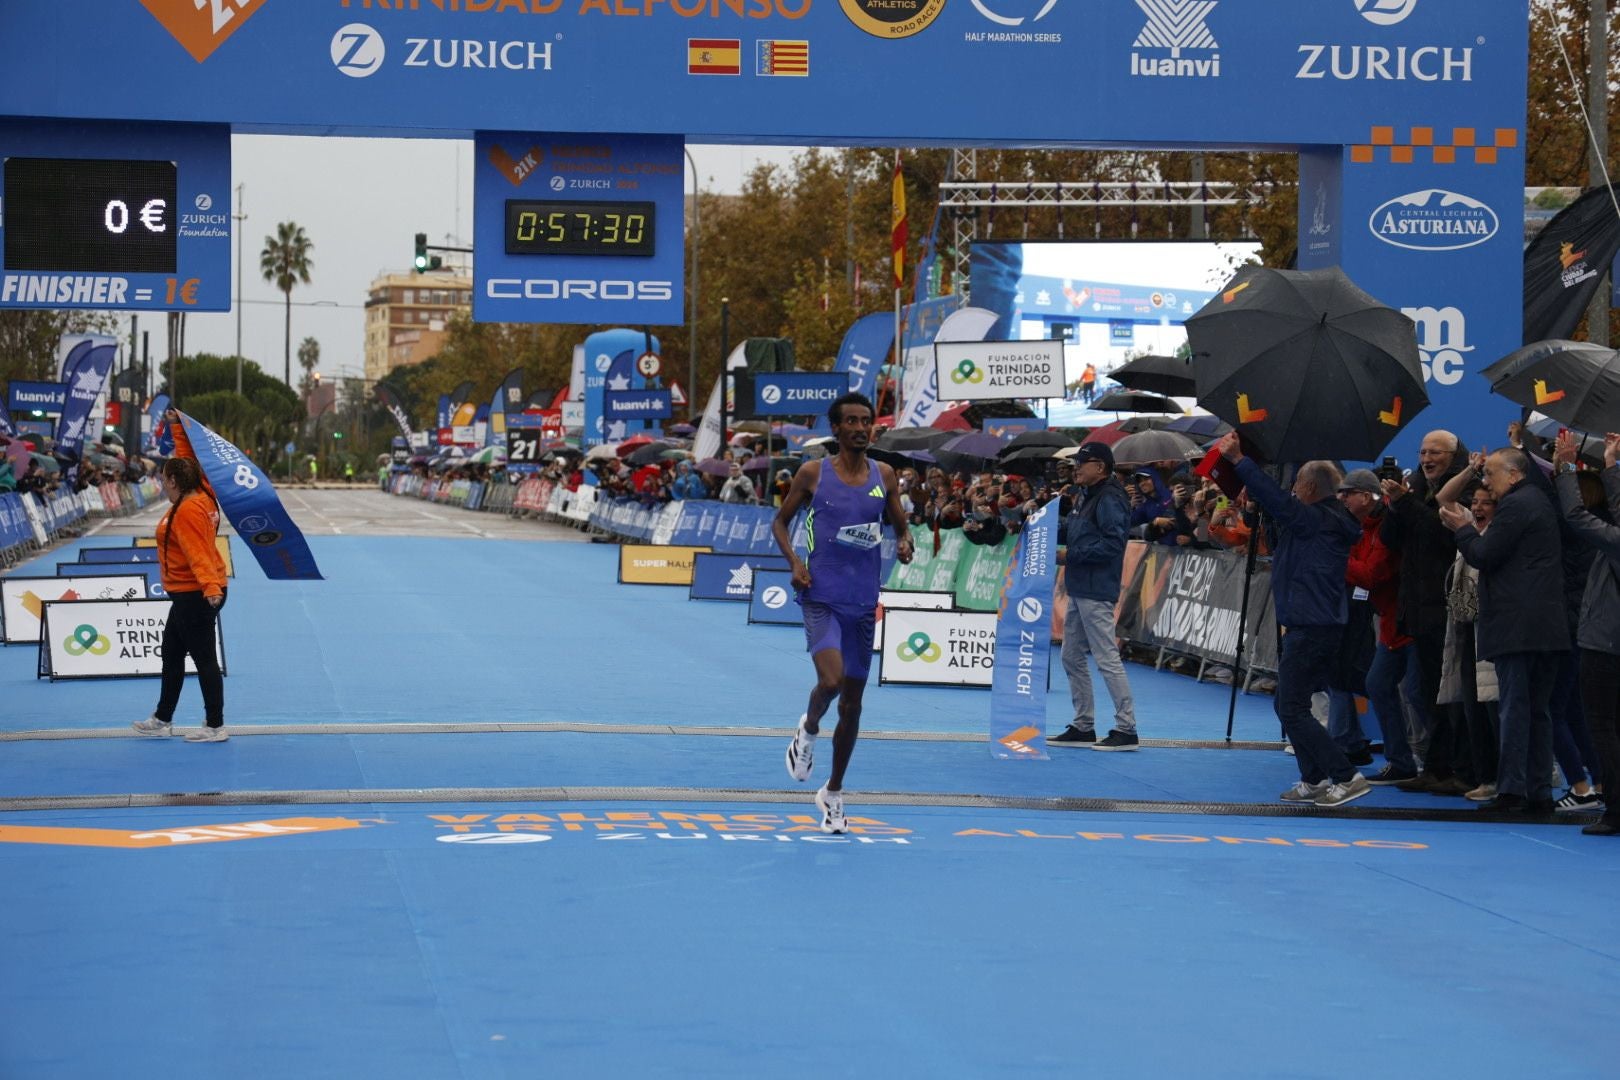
{"x":208,"y":734}
{"x":153,"y":727}
{"x":801,"y":751}
{"x":831,"y":805}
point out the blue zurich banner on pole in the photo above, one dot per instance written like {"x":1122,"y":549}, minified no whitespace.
{"x":248,"y":500}
{"x":860,"y":356}
{"x":1024,"y":643}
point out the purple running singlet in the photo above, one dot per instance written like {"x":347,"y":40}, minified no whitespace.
{"x":845,"y":537}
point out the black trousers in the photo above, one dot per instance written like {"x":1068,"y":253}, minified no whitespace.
{"x":190,"y":632}
{"x":1449,"y":755}
{"x":1600,"y":693}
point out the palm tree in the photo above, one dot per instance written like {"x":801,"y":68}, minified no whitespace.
{"x":309,"y":357}
{"x":285,"y":262}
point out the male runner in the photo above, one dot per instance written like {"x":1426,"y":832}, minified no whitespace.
{"x":838,"y":588}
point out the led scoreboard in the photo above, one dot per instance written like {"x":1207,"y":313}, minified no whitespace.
{"x":574,"y":228}
{"x":124,"y":217}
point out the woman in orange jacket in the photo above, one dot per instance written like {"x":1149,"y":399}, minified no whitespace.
{"x":194,"y":577}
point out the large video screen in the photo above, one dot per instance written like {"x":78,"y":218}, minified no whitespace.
{"x":1109,"y":300}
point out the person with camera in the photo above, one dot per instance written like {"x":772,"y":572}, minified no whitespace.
{"x":1314,"y":537}
{"x":1426,"y":547}
{"x":1094,"y":535}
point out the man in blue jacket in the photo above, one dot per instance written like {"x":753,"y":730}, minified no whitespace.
{"x":1094,"y":558}
{"x":1314,"y":536}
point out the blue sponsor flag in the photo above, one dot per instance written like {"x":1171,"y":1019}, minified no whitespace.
{"x":85,"y":372}
{"x":860,"y":356}
{"x":610,"y":364}
{"x":5,"y":422}
{"x":248,"y":500}
{"x":1024,"y":642}
{"x":154,"y":415}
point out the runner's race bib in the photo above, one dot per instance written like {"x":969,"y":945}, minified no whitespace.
{"x":865,"y":537}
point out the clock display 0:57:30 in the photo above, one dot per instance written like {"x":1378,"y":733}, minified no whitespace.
{"x":579,"y":227}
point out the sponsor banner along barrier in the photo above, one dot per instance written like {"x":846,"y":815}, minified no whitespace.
{"x":973,"y":572}
{"x":911,"y":601}
{"x":644,"y":564}
{"x":108,"y":639}
{"x":23,"y":599}
{"x":1023,"y":642}
{"x":1190,"y":601}
{"x":773,"y":601}
{"x":154,"y":576}
{"x":720,"y":576}
{"x":937,"y":648}
{"x":223,"y":543}
{"x":118,"y":555}
{"x":16,"y":526}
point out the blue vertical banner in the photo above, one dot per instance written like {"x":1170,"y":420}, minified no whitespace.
{"x":86,"y":361}
{"x":248,"y":500}
{"x":860,"y":357}
{"x":610,"y":362}
{"x":1024,"y":643}
{"x":154,"y":419}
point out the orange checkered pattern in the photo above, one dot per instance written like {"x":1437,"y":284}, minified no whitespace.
{"x":1429,"y":144}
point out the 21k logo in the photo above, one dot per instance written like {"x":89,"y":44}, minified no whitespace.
{"x":201,"y":26}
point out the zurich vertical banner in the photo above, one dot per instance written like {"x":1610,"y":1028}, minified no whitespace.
{"x":1024,"y":642}
{"x":606,"y":350}
{"x":248,"y":500}
{"x":85,"y":363}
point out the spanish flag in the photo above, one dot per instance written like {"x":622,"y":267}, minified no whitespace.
{"x":897,"y":225}
{"x":713,"y":56}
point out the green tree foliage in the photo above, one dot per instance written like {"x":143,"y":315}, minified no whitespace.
{"x":309,"y":357}
{"x":259,"y":420}
{"x":285,"y":262}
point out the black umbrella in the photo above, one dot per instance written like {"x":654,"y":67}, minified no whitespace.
{"x":1135,"y":401}
{"x":1306,"y":365}
{"x":898,"y":446}
{"x":1028,"y":460}
{"x":1575,"y":383}
{"x":1149,"y":446}
{"x":1054,"y":439}
{"x":1202,"y":426}
{"x":648,"y":454}
{"x":1168,"y":375}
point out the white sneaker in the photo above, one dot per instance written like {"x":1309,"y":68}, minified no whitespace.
{"x":801,"y":751}
{"x":831,"y":805}
{"x":208,"y":734}
{"x":153,"y":727}
{"x":1303,"y":792}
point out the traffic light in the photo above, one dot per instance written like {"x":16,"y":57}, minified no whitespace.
{"x":337,"y":434}
{"x":421,"y":252}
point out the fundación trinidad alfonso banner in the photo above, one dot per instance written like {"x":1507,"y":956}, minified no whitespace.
{"x":249,"y":502}
{"x":1024,"y":642}
{"x":105,"y":639}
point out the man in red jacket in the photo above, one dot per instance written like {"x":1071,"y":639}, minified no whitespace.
{"x":1375,"y":568}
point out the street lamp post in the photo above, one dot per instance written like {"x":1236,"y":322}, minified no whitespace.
{"x":692,"y":298}
{"x":725,"y":351}
{"x":240,"y":216}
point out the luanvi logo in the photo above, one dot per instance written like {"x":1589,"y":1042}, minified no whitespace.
{"x":202,"y":25}
{"x":1175,"y":27}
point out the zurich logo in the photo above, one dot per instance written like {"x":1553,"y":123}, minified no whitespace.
{"x":558,"y":183}
{"x":1030,"y":609}
{"x":1014,"y":5}
{"x":603,"y":362}
{"x":357,"y":50}
{"x":1434,"y":220}
{"x":205,"y":201}
{"x":1385,"y":12}
{"x":770,"y":394}
{"x":774,"y":597}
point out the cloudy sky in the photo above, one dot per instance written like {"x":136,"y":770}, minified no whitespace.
{"x":361,"y":201}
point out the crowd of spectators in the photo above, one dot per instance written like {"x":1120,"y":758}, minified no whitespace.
{"x":102,"y":463}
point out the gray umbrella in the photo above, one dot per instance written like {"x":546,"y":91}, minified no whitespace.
{"x":1149,"y":446}
{"x":1135,"y":401}
{"x":1169,"y":375}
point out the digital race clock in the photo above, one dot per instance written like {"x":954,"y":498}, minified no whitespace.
{"x":579,"y":227}
{"x":91,"y":215}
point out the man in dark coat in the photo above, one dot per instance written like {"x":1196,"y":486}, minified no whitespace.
{"x":1426,"y":548}
{"x":1314,"y":536}
{"x":1094,"y":537}
{"x":1522,"y":627}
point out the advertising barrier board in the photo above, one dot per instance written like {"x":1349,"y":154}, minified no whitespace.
{"x":118,"y":555}
{"x":154,"y":579}
{"x":773,"y":600}
{"x":23,"y":599}
{"x":649,"y":564}
{"x":717,"y":576}
{"x":938,"y":648}
{"x":108,"y":639}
